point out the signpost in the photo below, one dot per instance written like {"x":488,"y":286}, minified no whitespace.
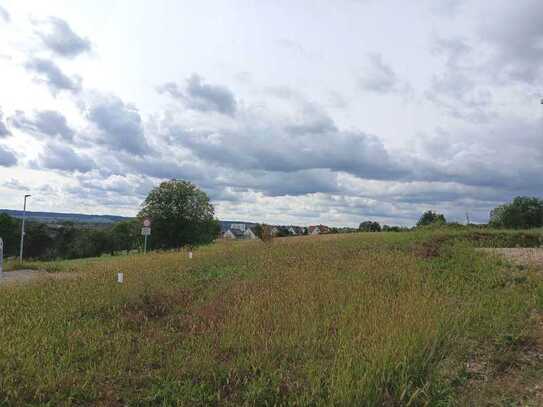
{"x":145,"y":231}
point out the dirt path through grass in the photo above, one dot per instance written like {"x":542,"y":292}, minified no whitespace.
{"x":521,"y":256}
{"x":25,"y":276}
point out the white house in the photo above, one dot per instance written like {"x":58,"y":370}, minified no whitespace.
{"x":238,"y":233}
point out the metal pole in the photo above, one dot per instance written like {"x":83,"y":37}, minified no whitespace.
{"x":23,"y":231}
{"x":145,"y":244}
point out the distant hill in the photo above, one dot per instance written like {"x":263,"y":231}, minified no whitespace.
{"x":55,"y":217}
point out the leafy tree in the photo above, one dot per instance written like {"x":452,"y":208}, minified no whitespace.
{"x":10,"y":234}
{"x":126,"y":235}
{"x":38,"y":241}
{"x":431,"y":218}
{"x":181,"y":214}
{"x":369,"y":226}
{"x":68,"y":245}
{"x":522,"y":213}
{"x":100,"y":242}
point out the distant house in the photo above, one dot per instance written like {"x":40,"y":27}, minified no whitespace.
{"x":296,"y":230}
{"x":317,"y":230}
{"x":239,"y":232}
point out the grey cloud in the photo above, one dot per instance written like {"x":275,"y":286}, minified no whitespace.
{"x":197,"y":95}
{"x":61,"y":39}
{"x":15,"y":184}
{"x":456,"y":50}
{"x":505,"y":154}
{"x":377,"y":76}
{"x":7,"y":158}
{"x":161,"y":167}
{"x":49,"y":73}
{"x":63,"y":158}
{"x":91,"y":192}
{"x":4,"y":15}
{"x":515,"y":31}
{"x":295,"y":47}
{"x":3,"y":129}
{"x":272,"y":183}
{"x":292,"y":148}
{"x":219,"y":178}
{"x":459,"y":97}
{"x":45,"y":122}
{"x":126,"y":185}
{"x":118,"y":125}
{"x":458,"y":90}
{"x":447,"y":8}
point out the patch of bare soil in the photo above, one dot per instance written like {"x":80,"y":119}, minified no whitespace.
{"x":512,"y":378}
{"x":25,"y":276}
{"x":521,"y":256}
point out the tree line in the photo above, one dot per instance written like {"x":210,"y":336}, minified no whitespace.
{"x":180,"y":214}
{"x":68,"y":240}
{"x":521,"y":213}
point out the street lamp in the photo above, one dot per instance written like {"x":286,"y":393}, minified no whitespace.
{"x":23,"y":230}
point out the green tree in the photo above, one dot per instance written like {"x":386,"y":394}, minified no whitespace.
{"x":431,"y":218}
{"x":68,"y":242}
{"x":181,"y":214}
{"x":369,"y":226}
{"x":10,"y":234}
{"x":39,"y":243}
{"x":522,"y":213}
{"x":126,"y":235}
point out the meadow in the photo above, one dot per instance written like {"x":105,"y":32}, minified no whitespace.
{"x":361,"y":319}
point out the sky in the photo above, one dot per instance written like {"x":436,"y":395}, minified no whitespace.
{"x":284,"y":112}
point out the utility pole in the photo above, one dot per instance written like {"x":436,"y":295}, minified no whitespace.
{"x":23,"y":230}
{"x":467,"y":218}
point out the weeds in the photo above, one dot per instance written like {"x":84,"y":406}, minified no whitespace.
{"x":335,"y":320}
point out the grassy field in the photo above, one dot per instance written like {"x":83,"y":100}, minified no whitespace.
{"x":360,"y":319}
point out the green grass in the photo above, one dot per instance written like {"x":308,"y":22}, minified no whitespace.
{"x":359,"y":319}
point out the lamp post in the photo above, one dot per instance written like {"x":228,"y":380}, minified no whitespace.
{"x":23,"y":230}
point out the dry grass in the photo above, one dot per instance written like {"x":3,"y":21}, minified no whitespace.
{"x":364,"y":319}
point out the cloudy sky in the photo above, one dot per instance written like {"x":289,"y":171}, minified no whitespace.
{"x":289,"y":111}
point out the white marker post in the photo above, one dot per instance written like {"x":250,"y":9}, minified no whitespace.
{"x":1,"y":257}
{"x":190,"y":254}
{"x":145,"y":231}
{"x":120,"y":278}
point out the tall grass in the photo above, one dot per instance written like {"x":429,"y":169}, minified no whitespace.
{"x":364,"y":319}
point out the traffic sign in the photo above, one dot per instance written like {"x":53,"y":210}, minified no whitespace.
{"x":145,"y":231}
{"x":146,"y":223}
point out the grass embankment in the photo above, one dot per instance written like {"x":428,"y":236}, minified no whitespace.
{"x":364,"y":319}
